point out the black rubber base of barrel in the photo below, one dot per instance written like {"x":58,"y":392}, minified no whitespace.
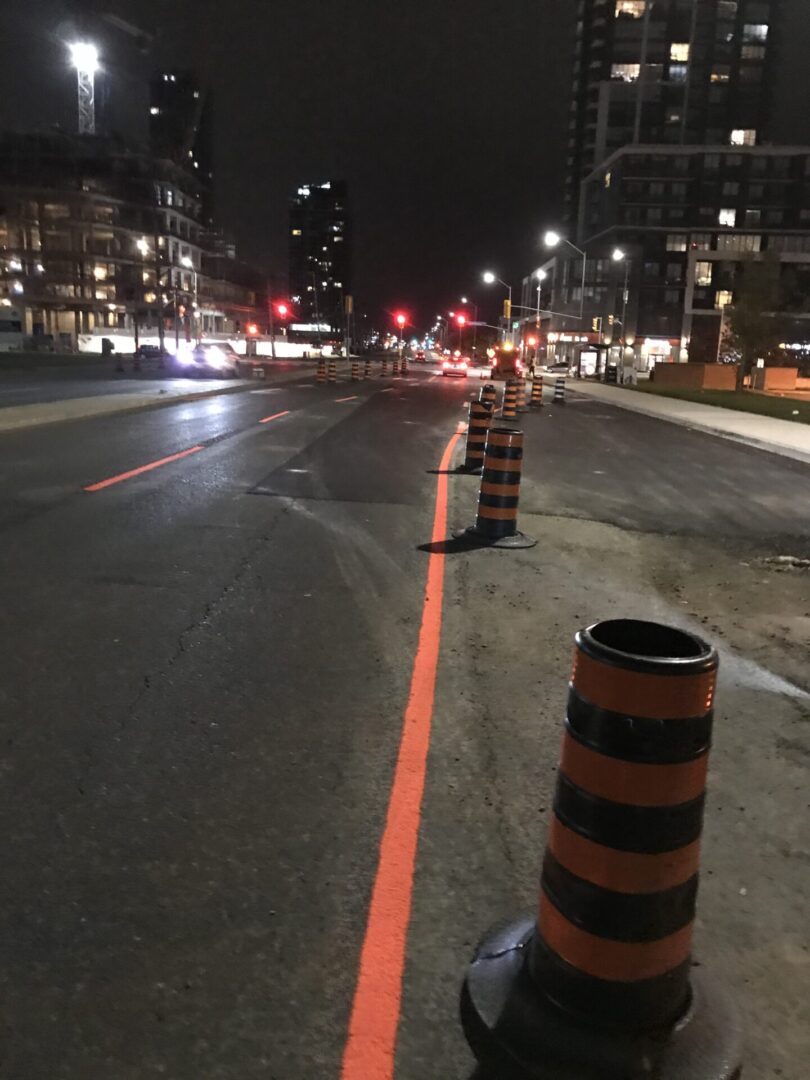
{"x":470,"y":470}
{"x":517,"y":540}
{"x":516,"y":1033}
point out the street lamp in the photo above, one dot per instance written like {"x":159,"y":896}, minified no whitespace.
{"x":490,"y":279}
{"x":465,"y":300}
{"x":189,"y":265}
{"x":553,"y":239}
{"x":84,"y":57}
{"x":621,"y":256}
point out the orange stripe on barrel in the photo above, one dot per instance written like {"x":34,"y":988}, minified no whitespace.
{"x":509,"y":490}
{"x":498,"y":438}
{"x":497,"y":513}
{"x":621,"y":871}
{"x":630,"y":782}
{"x":634,"y":693}
{"x":615,"y":961}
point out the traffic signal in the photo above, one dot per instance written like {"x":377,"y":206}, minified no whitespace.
{"x":611,"y":320}
{"x":401,"y":319}
{"x":597,"y":325}
{"x":252,"y":329}
{"x":507,"y":309}
{"x":461,"y":320}
{"x":282,"y":309}
{"x":531,"y":342}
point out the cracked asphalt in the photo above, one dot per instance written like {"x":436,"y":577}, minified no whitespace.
{"x":204,"y":673}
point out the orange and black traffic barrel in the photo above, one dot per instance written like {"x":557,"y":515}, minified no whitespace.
{"x":321,"y":377}
{"x":489,"y":395}
{"x":509,"y":410}
{"x":600,"y":981}
{"x":384,"y":368}
{"x":537,"y":393}
{"x":355,"y":371}
{"x":331,"y":369}
{"x":520,"y":401}
{"x":559,"y":391}
{"x":395,"y":366}
{"x":403,"y":367}
{"x":477,"y":432}
{"x":367,"y":368}
{"x":499,"y":494}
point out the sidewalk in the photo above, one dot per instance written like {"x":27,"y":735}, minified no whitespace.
{"x":764,"y":432}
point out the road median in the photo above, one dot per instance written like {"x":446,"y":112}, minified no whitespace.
{"x":154,"y":396}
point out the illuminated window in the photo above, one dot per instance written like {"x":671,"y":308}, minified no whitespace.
{"x":721,"y":73}
{"x":677,"y":72}
{"x":608,"y":178}
{"x":703,"y":273}
{"x":743,"y":137}
{"x":154,"y":111}
{"x":701,"y":242}
{"x":753,"y":52}
{"x":755,"y":32}
{"x":632,"y":9}
{"x":625,"y":72}
{"x":679,"y":51}
{"x":676,"y":242}
{"x":724,"y":299}
{"x":296,"y":232}
{"x":727,"y":217}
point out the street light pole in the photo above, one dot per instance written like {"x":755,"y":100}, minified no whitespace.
{"x":490,"y":279}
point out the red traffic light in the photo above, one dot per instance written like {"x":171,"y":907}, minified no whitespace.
{"x":252,"y":329}
{"x":401,"y":318}
{"x":531,"y":342}
{"x":282,"y":309}
{"x":461,"y":320}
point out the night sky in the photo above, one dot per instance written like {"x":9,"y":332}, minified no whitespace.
{"x":446,"y":117}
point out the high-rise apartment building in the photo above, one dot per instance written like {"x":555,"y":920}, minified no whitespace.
{"x":320,"y":252}
{"x":181,"y":128}
{"x":688,"y":72}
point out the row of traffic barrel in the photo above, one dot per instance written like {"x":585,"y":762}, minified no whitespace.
{"x":360,"y":369}
{"x":598,"y":981}
{"x":496,"y":454}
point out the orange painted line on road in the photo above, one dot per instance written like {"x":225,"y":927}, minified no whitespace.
{"x":371,"y":1044}
{"x":340,"y":400}
{"x":142,"y":469}
{"x":275,"y":416}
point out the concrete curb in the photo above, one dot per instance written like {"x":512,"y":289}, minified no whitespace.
{"x":768,"y":446}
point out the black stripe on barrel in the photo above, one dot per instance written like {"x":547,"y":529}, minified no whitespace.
{"x":509,"y":411}
{"x":477,"y":431}
{"x":500,"y":484}
{"x":620,"y":877}
{"x":489,"y":395}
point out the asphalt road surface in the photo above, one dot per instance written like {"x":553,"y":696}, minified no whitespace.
{"x":206,"y":666}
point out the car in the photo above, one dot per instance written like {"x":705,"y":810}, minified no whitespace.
{"x":148,"y":352}
{"x":208,"y":358}
{"x":420,"y":356}
{"x":456,"y":364}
